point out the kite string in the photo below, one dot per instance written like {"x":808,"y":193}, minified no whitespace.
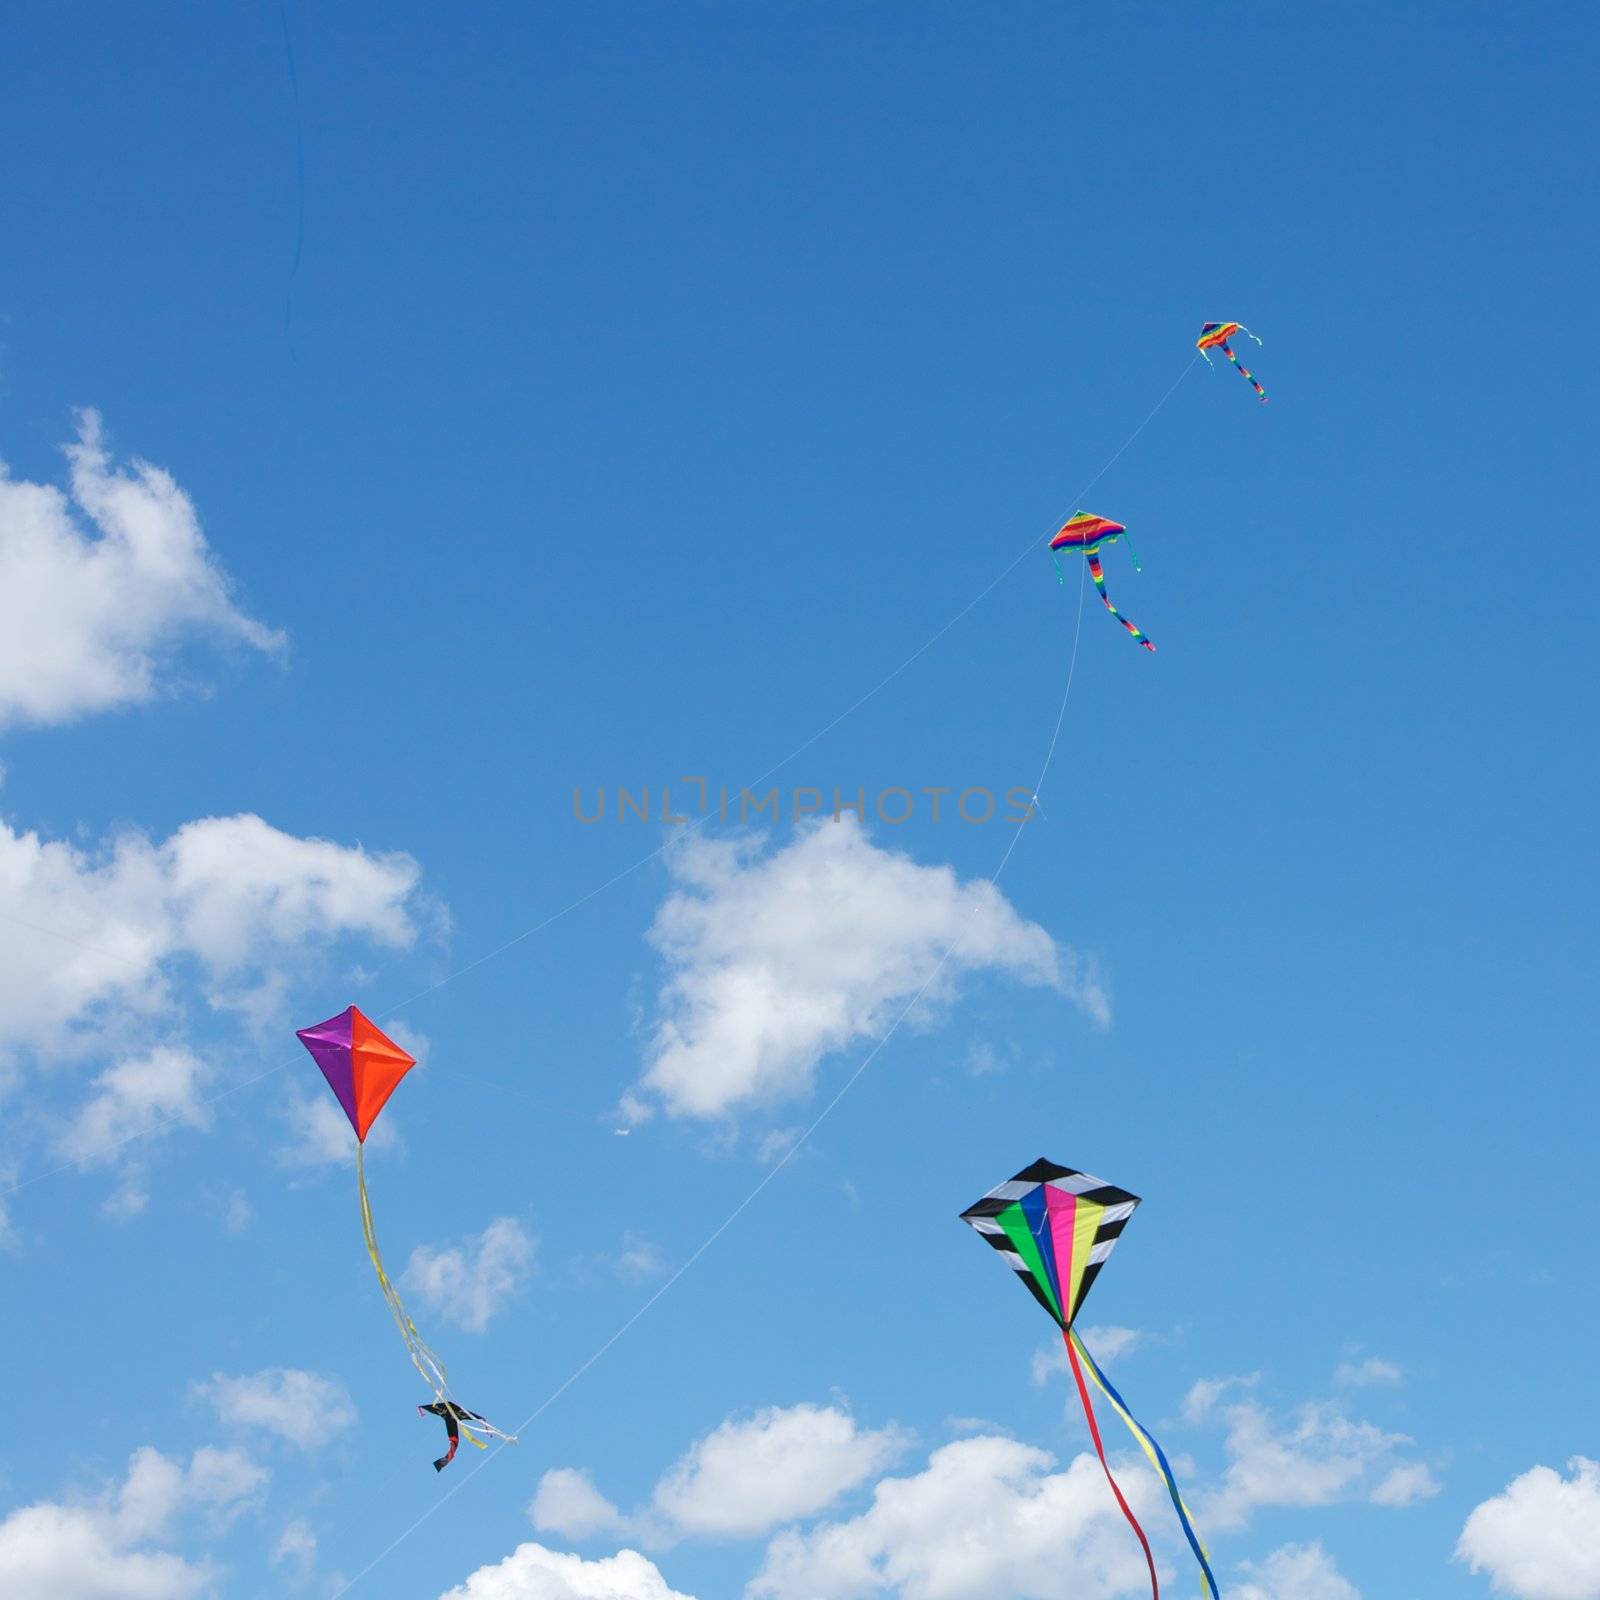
{"x":1099,"y":1450}
{"x":783,"y":1161}
{"x":867,"y":1060}
{"x":643,"y":861}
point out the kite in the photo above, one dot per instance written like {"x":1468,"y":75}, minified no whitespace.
{"x":1054,"y":1227}
{"x":1086,"y":533}
{"x":363,"y":1068}
{"x":1215,"y":336}
{"x":454,"y":1416}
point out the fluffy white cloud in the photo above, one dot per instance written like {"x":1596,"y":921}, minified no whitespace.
{"x":777,"y":960}
{"x":639,"y":1258}
{"x":86,"y":938}
{"x":746,"y":1477}
{"x":988,"y":1517}
{"x":1539,"y":1538}
{"x":469,"y":1282}
{"x":320,"y":1134}
{"x":1316,"y":1458}
{"x":101,"y":1549}
{"x":1373,"y":1373}
{"x":567,"y":1503}
{"x":226,"y":1481}
{"x":1295,"y":1572}
{"x":296,"y":1547}
{"x":532,"y":1572}
{"x":89,"y":618}
{"x":1108,"y":1344}
{"x":306,"y":1408}
{"x":157,"y":1091}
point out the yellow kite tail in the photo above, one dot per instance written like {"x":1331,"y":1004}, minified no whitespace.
{"x":1158,"y":1459}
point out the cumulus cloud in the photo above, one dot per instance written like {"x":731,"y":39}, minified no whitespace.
{"x":1539,"y":1538}
{"x":306,"y":1408}
{"x":639,"y":1258}
{"x":320,"y":1134}
{"x":103,"y":1548}
{"x":156,"y":1091}
{"x":987,"y":1517}
{"x":531,"y":1572}
{"x":1294,"y":1572}
{"x":296,"y":1547}
{"x":745,"y":1477}
{"x":777,"y":960}
{"x":87,"y":938}
{"x":567,"y":1503}
{"x":1108,"y":1344}
{"x":138,"y":1098}
{"x":469,"y":1282}
{"x":91,"y":616}
{"x":1373,"y":1373}
{"x":1316,"y":1457}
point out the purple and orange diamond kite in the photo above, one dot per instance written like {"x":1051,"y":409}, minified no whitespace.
{"x":361,"y":1063}
{"x":363,"y":1066}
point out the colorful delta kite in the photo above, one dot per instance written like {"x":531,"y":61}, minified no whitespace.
{"x":1054,"y":1227}
{"x":1086,"y":533}
{"x":363,"y":1067}
{"x":1215,"y":336}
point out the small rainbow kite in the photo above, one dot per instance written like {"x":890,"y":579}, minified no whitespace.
{"x":1215,"y":336}
{"x":1086,"y":533}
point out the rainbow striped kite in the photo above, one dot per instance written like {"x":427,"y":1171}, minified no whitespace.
{"x":1086,"y":533}
{"x":1215,"y":336}
{"x":1055,"y":1227}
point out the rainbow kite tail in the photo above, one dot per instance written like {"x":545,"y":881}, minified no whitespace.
{"x":1157,"y":1457}
{"x":1244,"y":371}
{"x":1097,"y":572}
{"x":1099,"y":1450}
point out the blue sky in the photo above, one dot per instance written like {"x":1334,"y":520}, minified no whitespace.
{"x":617,"y":393}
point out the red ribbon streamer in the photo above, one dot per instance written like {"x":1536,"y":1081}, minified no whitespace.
{"x":1099,"y":1450}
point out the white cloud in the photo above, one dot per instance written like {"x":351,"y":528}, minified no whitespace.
{"x":746,"y":1477}
{"x":1294,"y":1572}
{"x":1373,"y":1373}
{"x":296,"y":1547}
{"x":1539,"y":1538}
{"x":1404,"y":1484}
{"x":320,"y":1134}
{"x":227,"y":1481}
{"x":639,"y":1258}
{"x":986,"y":1518}
{"x":1204,"y":1394}
{"x":239,"y":1213}
{"x":89,"y":619}
{"x":306,"y":1408}
{"x":100,"y":1549}
{"x":1107,"y":1344}
{"x":775,"y":961}
{"x":159,"y":1090}
{"x":468,"y":1283}
{"x":87,"y":939}
{"x":532,"y":1572}
{"x":1318,"y":1457}
{"x":567,"y":1503}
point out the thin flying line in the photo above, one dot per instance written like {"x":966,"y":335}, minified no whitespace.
{"x":777,"y":1167}
{"x":667,"y":844}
